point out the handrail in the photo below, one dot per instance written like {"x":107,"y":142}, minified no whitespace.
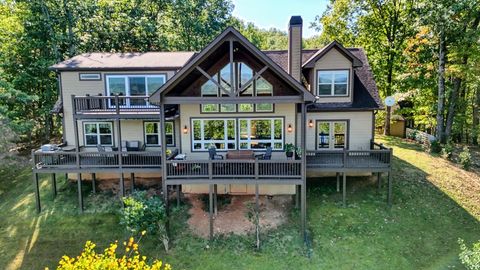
{"x":111,"y":104}
{"x":111,"y":159}
{"x":233,"y":169}
{"x":377,"y":158}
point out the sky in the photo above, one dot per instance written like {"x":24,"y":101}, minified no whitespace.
{"x":270,"y":13}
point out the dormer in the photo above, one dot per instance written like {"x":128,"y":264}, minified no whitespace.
{"x":330,"y":73}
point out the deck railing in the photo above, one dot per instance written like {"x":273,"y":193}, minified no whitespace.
{"x":111,"y":104}
{"x":349,"y":158}
{"x":72,"y":160}
{"x":233,"y":169}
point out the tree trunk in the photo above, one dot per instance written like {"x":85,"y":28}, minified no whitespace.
{"x":441,"y":86}
{"x":71,"y":41}
{"x":388,"y":116}
{"x":452,"y":101}
{"x":476,"y":117}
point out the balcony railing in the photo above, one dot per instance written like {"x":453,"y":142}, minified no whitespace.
{"x":364,"y":159}
{"x":112,"y":104}
{"x":233,"y":169}
{"x":73,"y":160}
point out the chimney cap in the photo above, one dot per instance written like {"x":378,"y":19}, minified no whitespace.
{"x":296,"y":20}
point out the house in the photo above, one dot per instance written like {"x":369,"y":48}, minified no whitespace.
{"x":226,"y":114}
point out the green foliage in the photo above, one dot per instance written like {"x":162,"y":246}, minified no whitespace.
{"x":145,"y":213}
{"x":432,"y":146}
{"x":289,"y":147}
{"x":447,"y":150}
{"x":271,"y":39}
{"x":470,"y":257}
{"x":89,"y":259}
{"x":465,"y":158}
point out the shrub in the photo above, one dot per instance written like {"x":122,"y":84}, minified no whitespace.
{"x":145,"y":213}
{"x":465,"y":158}
{"x":470,"y":257}
{"x":432,"y":146}
{"x":130,"y":260}
{"x":447,"y":150}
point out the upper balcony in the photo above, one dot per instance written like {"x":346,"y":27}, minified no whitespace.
{"x":113,"y":106}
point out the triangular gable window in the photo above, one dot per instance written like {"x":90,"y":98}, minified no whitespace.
{"x":244,"y":80}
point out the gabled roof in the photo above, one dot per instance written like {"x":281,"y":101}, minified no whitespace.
{"x":310,"y":63}
{"x":125,"y":61}
{"x":198,"y":58}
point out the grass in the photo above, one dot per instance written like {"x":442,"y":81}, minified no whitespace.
{"x":435,"y":203}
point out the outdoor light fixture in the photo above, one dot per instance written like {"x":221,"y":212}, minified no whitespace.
{"x":310,"y":123}
{"x":289,"y":128}
{"x":185,"y":129}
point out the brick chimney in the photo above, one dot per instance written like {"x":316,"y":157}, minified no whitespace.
{"x":295,"y":47}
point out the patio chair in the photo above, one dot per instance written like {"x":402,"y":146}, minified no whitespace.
{"x":266,"y":156}
{"x":212,"y":153}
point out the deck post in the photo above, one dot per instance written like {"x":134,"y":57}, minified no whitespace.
{"x":344,"y":189}
{"x":122,"y":186}
{"x":257,"y":216}
{"x":132,"y":182}
{"x":37,"y":192}
{"x":215,"y":199}
{"x":80,"y":196}
{"x":390,"y":187}
{"x":379,"y":180}
{"x":297,"y":196}
{"x":303,"y":144}
{"x":338,"y":181}
{"x":54,"y":185}
{"x":178,"y":195}
{"x":94,"y":184}
{"x":210,"y":215}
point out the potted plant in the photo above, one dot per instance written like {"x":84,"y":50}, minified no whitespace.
{"x":298,"y":153}
{"x":289,"y":149}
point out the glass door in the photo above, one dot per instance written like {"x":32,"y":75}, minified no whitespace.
{"x":331,"y":135}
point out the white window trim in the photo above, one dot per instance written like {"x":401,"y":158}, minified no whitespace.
{"x":332,"y":84}
{"x":97,"y":134}
{"x":272,"y":139}
{"x":127,"y":85}
{"x":204,"y":142}
{"x":90,"y":77}
{"x":158,"y":134}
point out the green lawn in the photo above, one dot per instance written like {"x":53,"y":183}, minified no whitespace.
{"x":435,"y":203}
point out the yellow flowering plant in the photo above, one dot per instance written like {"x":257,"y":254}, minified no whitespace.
{"x":131,"y":259}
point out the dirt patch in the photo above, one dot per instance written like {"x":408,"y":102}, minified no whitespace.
{"x":232,"y":218}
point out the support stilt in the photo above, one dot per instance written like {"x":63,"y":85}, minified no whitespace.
{"x":122,"y":186}
{"x":54,"y":185}
{"x":297,"y":196}
{"x":80,"y":196}
{"x":338,"y":182}
{"x":304,"y":211}
{"x":344,"y":189}
{"x":257,"y":216}
{"x":37,"y":192}
{"x":132,"y":182}
{"x":390,"y":187}
{"x":94,"y":184}
{"x":210,"y":216}
{"x":379,"y":180}
{"x":178,"y":187}
{"x":215,"y":199}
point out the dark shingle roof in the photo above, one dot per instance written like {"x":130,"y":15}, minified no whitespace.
{"x":365,"y":89}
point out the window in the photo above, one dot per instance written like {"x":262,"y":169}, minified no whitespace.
{"x":331,"y":134}
{"x":220,"y":133}
{"x":332,"y":82}
{"x":261,"y":133}
{"x":152,"y":134}
{"x":243,"y":74}
{"x":90,"y":77}
{"x":133,"y":86}
{"x":98,"y":133}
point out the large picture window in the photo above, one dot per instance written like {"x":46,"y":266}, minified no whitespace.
{"x":220,"y":133}
{"x":153,"y":136}
{"x":133,"y":86}
{"x":261,"y":133}
{"x":332,"y":82}
{"x":98,"y":133}
{"x":243,"y":77}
